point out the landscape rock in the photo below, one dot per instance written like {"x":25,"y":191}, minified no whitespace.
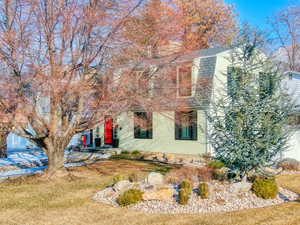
{"x":160,"y":199}
{"x":122,"y":186}
{"x":154,"y":156}
{"x":271,"y":171}
{"x":240,"y":187}
{"x":170,"y":158}
{"x":162,"y":194}
{"x":155,"y":179}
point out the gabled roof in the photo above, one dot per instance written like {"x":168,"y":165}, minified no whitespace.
{"x":179,"y":57}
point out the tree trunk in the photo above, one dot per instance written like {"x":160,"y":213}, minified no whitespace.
{"x":3,"y":144}
{"x":55,"y":152}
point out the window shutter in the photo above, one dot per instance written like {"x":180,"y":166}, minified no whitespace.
{"x":177,"y":125}
{"x":135,"y":129}
{"x":150,"y":125}
{"x":194,"y":125}
{"x":266,"y":85}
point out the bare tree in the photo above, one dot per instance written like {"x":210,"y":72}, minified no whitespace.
{"x":56,"y":53}
{"x":60,"y":59}
{"x":286,"y":27}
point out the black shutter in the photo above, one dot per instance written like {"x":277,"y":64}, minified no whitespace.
{"x":150,"y":128}
{"x":136,"y":128}
{"x":194,"y":125}
{"x":177,"y":125}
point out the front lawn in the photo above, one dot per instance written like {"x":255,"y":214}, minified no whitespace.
{"x":33,"y":201}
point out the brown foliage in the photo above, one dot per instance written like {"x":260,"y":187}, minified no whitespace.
{"x":193,"y":174}
{"x":61,"y":60}
{"x":194,"y":24}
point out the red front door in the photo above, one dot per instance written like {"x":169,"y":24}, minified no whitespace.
{"x":108,"y":130}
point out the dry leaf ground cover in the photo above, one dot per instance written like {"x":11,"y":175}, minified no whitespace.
{"x":27,"y":201}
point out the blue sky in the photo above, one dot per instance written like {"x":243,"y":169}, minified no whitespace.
{"x":256,"y":12}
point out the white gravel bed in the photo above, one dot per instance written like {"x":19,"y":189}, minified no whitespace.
{"x":221,"y":200}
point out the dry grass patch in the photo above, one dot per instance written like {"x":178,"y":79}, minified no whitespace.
{"x":33,"y":201}
{"x":291,"y":182}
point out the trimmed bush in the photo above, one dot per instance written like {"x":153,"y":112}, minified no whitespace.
{"x":265,"y":188}
{"x":134,"y":155}
{"x":125,"y":152}
{"x":203,"y":190}
{"x":118,"y":178}
{"x":136,"y":152}
{"x":132,"y":196}
{"x":216,"y":164}
{"x":187,"y":186}
{"x":184,"y":196}
{"x":133,"y":177}
{"x":219,"y":174}
{"x":206,"y":156}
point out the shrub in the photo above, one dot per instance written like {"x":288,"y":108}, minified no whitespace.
{"x":136,"y":152}
{"x":219,"y":174}
{"x":184,"y":196}
{"x":133,"y":177}
{"x":203,"y":190}
{"x":118,"y":178}
{"x":193,"y":174}
{"x":265,"y":188}
{"x":127,"y":155}
{"x":132,"y":196}
{"x":187,"y":186}
{"x":121,"y":156}
{"x":289,"y":164}
{"x":125,"y":152}
{"x":205,"y":174}
{"x":216,"y":164}
{"x":206,"y":156}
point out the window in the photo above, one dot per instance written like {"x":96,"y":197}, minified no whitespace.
{"x":184,"y":81}
{"x":143,"y":125}
{"x":143,"y":82}
{"x":186,"y":125}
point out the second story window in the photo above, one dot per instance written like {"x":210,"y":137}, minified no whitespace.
{"x":143,"y":82}
{"x":184,"y":81}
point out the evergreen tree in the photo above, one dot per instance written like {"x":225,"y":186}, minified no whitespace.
{"x":249,"y":126}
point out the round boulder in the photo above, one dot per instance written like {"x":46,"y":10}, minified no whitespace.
{"x":122,"y":186}
{"x":155,"y":179}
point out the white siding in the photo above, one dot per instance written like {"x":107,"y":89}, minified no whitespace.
{"x":294,"y":147}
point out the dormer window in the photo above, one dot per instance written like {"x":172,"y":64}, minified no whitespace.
{"x":143,"y":82}
{"x":184,"y":81}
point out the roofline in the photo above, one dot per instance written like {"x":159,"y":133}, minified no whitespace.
{"x":291,"y":72}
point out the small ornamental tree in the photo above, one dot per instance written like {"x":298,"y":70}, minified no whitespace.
{"x":249,"y":125}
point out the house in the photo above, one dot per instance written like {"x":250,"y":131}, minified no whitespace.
{"x":180,"y":130}
{"x":292,"y":84}
{"x":173,"y":130}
